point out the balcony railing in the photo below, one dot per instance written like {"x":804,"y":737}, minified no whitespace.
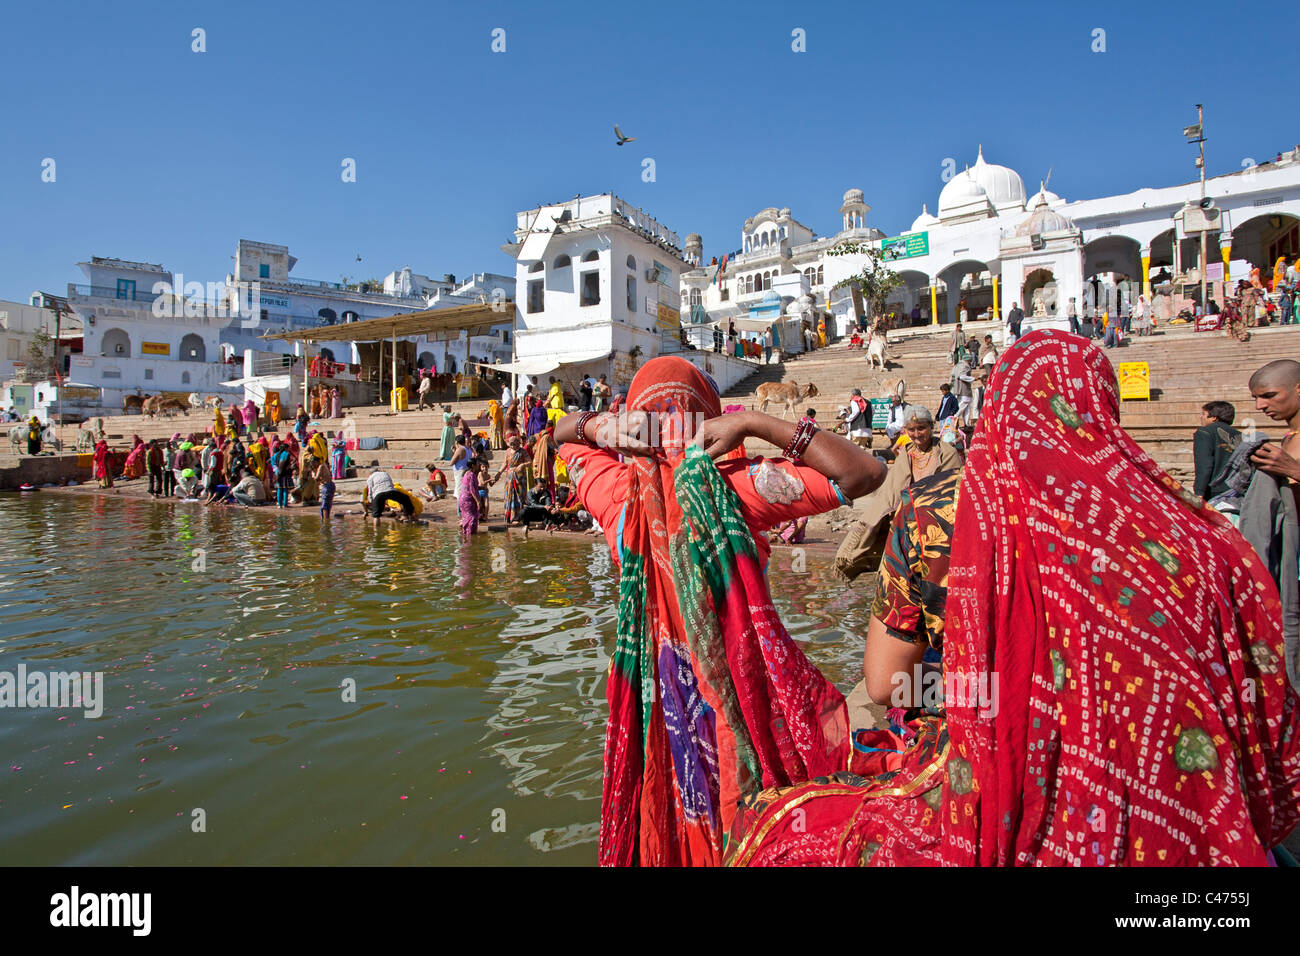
{"x":108,"y":292}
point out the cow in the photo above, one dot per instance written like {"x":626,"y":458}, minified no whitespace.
{"x":196,"y":401}
{"x":166,"y":405}
{"x":891,"y":387}
{"x":213,"y":402}
{"x":133,"y":401}
{"x":149,"y":407}
{"x":18,"y":437}
{"x":787,"y":393}
{"x":876,"y":342}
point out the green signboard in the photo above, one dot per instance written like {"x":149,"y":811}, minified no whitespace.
{"x":879,"y":412}
{"x":906,"y":247}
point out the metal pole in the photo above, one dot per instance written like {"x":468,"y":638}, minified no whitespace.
{"x":393,"y":403}
{"x":1200,"y":119}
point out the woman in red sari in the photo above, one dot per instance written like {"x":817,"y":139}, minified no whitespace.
{"x":103,"y":464}
{"x":1140,"y":712}
{"x":679,"y":746}
{"x":133,"y":467}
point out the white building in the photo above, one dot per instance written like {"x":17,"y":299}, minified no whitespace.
{"x":149,"y":330}
{"x":990,"y":245}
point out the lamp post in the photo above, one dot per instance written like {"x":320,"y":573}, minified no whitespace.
{"x":1196,"y":134}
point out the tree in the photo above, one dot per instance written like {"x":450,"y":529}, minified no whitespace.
{"x":875,"y":281}
{"x":40,"y":357}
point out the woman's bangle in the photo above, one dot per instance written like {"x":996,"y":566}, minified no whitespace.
{"x":581,"y":430}
{"x":800,"y":441}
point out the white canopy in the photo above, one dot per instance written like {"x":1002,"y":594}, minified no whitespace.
{"x":541,"y":364}
{"x":747,"y":324}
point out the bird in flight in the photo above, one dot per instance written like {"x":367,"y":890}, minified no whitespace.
{"x":358,"y":257}
{"x":621,"y":138}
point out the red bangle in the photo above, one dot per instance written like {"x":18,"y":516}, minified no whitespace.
{"x":800,"y":441}
{"x":582,"y":428}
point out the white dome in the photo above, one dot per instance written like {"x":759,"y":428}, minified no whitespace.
{"x":1044,"y":220}
{"x":853,"y":196}
{"x":1002,"y":184}
{"x":1045,"y":195}
{"x":923,"y":221}
{"x":961,"y":190}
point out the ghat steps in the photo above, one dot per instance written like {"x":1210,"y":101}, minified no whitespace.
{"x":1187,"y":370}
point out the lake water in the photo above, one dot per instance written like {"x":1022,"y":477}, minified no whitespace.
{"x":225,"y":638}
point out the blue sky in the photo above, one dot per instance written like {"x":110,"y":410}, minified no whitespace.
{"x":166,"y":155}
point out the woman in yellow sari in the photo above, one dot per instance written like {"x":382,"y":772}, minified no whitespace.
{"x":257,"y":458}
{"x":496,"y":425}
{"x":821,"y":332}
{"x":219,"y":425}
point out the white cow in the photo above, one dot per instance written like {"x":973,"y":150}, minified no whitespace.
{"x":876,"y":341}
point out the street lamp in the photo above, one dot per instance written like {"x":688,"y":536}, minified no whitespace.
{"x":1196,"y":134}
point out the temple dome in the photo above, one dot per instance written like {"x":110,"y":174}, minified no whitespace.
{"x":852,"y":196}
{"x":1045,"y":194}
{"x":1002,"y":184}
{"x":961,"y":190}
{"x":1044,"y":220}
{"x":923,"y":221}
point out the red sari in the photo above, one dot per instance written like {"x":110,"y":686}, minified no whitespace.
{"x":1121,"y":619}
{"x":709,"y":697}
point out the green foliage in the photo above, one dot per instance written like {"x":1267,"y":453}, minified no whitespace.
{"x":875,"y":281}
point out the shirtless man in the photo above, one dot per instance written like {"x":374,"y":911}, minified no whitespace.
{"x":1276,"y":388}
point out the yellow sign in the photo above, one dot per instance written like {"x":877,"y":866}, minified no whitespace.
{"x":669,"y":318}
{"x":155,"y":348}
{"x":1134,"y":381}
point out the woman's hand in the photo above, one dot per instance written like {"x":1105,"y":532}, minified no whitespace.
{"x":718,"y":436}
{"x":1271,"y":458}
{"x":622,"y":432}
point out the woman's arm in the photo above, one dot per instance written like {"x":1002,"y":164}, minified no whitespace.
{"x":855,"y":470}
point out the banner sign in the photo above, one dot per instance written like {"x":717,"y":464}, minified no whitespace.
{"x":1134,"y":381}
{"x":155,"y":348}
{"x":880,"y":412}
{"x":905,"y":247}
{"x":668,"y":317}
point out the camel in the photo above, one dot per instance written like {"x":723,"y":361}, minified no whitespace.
{"x":788,"y":393}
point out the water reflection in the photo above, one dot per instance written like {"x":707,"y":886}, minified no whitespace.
{"x":479,"y":672}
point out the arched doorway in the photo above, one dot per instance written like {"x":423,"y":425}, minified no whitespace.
{"x":969,"y":281}
{"x":116,"y":343}
{"x":1032,"y":294}
{"x":193,"y":349}
{"x":327,"y":316}
{"x":425,"y":360}
{"x":1262,"y":239}
{"x":1112,"y":273}
{"x":913,"y":292}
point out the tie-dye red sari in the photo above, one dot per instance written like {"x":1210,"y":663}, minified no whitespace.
{"x":1142,"y":714}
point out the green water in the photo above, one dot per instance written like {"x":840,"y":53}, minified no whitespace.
{"x":476,"y":732}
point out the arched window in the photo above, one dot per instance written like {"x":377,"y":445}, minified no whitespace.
{"x":747,"y":243}
{"x":193,"y":349}
{"x":631,"y":263}
{"x":349,"y":316}
{"x":185,"y":378}
{"x":749,"y":283}
{"x":767,"y":280}
{"x":820,"y":275}
{"x":696,"y":298}
{"x":590,"y":256}
{"x":537,"y":266}
{"x":782,"y":236}
{"x":424,"y":361}
{"x":764,"y":238}
{"x":328,"y":316}
{"x":116,"y":342}
{"x":561,"y":262}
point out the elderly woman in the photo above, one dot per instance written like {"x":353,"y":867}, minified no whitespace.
{"x":921,"y":455}
{"x":687,"y":535}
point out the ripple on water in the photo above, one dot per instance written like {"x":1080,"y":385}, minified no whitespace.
{"x":472,"y":690}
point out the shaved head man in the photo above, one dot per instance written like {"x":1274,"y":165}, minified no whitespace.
{"x":1276,"y":390}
